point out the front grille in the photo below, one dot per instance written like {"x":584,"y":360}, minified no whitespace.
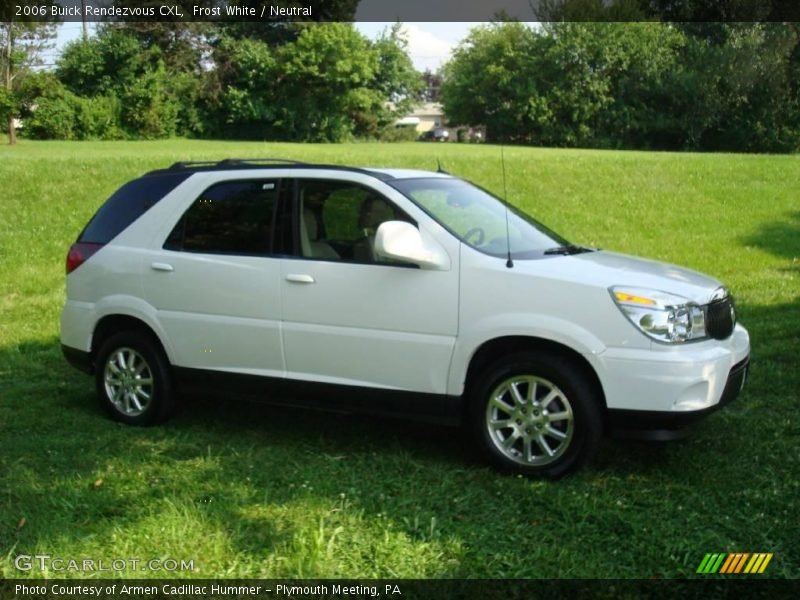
{"x":720,"y":318}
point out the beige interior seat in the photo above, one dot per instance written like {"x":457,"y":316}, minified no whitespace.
{"x":310,"y":244}
{"x":373,"y":212}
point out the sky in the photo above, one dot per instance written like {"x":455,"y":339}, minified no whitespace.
{"x":429,"y":44}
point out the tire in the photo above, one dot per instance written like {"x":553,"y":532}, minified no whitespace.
{"x":533,"y":442}
{"x":134,"y":379}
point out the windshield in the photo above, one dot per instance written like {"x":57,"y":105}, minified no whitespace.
{"x":479,"y":219}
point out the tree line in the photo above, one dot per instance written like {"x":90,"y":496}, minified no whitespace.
{"x":649,"y":85}
{"x":295,"y":81}
{"x":671,"y":86}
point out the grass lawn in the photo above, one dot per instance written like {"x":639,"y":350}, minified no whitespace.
{"x":247,"y":490}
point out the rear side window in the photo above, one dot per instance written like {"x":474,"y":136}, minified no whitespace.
{"x":234,"y":217}
{"x":127,"y":204}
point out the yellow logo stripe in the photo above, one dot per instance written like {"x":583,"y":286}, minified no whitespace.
{"x":765,"y":563}
{"x":757,"y":558}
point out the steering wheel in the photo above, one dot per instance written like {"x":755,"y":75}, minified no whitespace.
{"x":476,"y":231}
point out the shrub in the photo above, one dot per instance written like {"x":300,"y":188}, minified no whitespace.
{"x":98,"y":119}
{"x":149,"y":112}
{"x":61,"y":115}
{"x":392,"y":133}
{"x":53,"y":117}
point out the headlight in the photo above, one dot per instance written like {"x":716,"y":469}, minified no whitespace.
{"x":662,"y":316}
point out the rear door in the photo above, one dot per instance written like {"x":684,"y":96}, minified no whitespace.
{"x":215,"y":281}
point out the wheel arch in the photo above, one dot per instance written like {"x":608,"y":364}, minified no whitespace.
{"x":110,"y":324}
{"x":493,"y":349}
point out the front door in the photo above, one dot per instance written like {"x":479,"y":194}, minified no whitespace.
{"x":352,"y":318}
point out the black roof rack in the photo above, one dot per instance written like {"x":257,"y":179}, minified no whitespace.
{"x":230,"y":162}
{"x":259,"y":163}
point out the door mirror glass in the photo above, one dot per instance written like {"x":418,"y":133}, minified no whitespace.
{"x":401,"y":241}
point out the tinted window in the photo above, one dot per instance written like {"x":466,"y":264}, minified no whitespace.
{"x":127,"y":204}
{"x":234,"y":217}
{"x":338,"y":220}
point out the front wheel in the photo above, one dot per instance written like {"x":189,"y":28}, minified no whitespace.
{"x":536,"y":414}
{"x":133,"y":379}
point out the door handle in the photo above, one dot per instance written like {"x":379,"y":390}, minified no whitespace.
{"x":299,"y":278}
{"x":159,"y":266}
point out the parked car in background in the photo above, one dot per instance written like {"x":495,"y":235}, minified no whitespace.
{"x":437,"y":134}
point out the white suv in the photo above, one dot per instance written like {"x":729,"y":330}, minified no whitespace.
{"x":393,"y":292}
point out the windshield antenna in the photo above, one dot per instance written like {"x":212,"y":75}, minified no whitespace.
{"x":509,"y":262}
{"x":439,"y":168}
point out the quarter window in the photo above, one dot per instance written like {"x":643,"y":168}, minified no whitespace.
{"x":234,"y":217}
{"x":127,"y":204}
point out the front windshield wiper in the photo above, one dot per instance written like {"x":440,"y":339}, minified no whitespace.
{"x":568,"y":249}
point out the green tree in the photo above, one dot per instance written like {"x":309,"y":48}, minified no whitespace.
{"x":330,"y":84}
{"x":327,"y":74}
{"x":182,"y":42}
{"x":575,"y":69}
{"x":592,"y":10}
{"x":633,"y":60}
{"x":756,"y":92}
{"x":110,"y":62}
{"x":150,"y":110}
{"x":492,"y":80}
{"x":244,"y":92}
{"x":51,"y":111}
{"x":696,"y":86}
{"x":719,"y":11}
{"x":395,"y":80}
{"x":21,"y":45}
{"x":120,"y":64}
{"x":55,"y":116}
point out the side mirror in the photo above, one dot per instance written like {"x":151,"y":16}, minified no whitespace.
{"x":398,"y":240}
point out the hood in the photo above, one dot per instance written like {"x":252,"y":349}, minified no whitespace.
{"x":607,"y":269}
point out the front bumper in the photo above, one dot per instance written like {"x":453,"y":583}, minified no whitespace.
{"x":666,"y":425}
{"x":656,"y":394}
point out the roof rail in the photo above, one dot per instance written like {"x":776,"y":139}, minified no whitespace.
{"x":255,"y":163}
{"x":229,"y":162}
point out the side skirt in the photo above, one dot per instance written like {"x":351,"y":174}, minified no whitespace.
{"x":417,"y":406}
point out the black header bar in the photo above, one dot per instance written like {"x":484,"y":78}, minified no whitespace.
{"x":267,"y":11}
{"x":397,"y":589}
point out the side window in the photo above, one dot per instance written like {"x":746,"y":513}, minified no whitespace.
{"x":234,"y":217}
{"x":338,"y":220}
{"x":127,"y":204}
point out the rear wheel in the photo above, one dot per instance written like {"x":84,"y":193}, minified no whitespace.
{"x":133,"y":379}
{"x":536,"y":414}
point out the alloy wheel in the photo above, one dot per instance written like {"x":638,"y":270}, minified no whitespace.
{"x":529,"y":420}
{"x":128,"y":381}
